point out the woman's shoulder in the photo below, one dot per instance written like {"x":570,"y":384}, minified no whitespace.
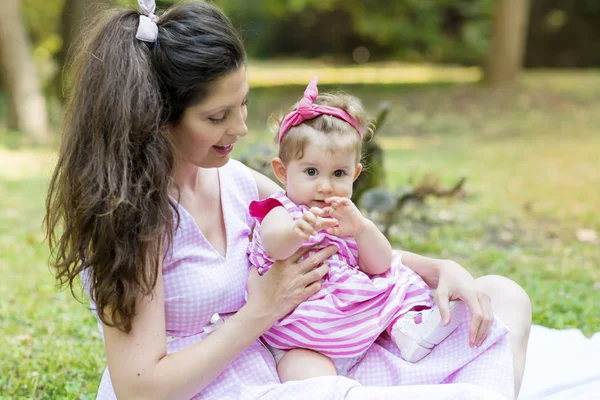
{"x":240,"y":177}
{"x":236,"y":167}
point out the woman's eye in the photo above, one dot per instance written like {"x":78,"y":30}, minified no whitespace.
{"x":245,"y":102}
{"x":311,"y":171}
{"x":339,"y":173}
{"x":217,"y":120}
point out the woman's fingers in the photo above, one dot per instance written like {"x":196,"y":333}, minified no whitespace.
{"x":311,"y":289}
{"x":297,"y":256}
{"x":443,"y":302}
{"x":315,"y":275}
{"x":472,"y":301}
{"x":316,"y":259}
{"x":488,"y":318}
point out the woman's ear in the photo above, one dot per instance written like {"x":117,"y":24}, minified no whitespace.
{"x":279,"y":170}
{"x":170,"y":128}
{"x":357,"y":172}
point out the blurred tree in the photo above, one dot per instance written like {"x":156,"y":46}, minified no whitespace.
{"x":42,"y":23}
{"x":564,"y":34}
{"x":76,"y":15}
{"x":507,"y":49}
{"x":27,"y":104}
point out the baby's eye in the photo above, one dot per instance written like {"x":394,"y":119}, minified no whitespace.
{"x":339,"y":173}
{"x":311,"y":171}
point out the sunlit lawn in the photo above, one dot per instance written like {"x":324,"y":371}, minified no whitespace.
{"x":530,"y":211}
{"x":290,"y":72}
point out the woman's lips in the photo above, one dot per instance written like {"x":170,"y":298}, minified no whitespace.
{"x":223,"y":150}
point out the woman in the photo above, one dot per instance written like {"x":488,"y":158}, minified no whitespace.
{"x":146,"y":206}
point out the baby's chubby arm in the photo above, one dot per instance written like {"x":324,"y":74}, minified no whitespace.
{"x":374,"y":250}
{"x":282,"y":236}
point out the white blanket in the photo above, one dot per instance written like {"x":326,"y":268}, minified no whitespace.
{"x":561,"y":365}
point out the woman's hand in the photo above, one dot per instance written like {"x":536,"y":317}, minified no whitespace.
{"x":287,"y":283}
{"x":455,"y":282}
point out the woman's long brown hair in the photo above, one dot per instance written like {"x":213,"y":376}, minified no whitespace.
{"x":108,"y":211}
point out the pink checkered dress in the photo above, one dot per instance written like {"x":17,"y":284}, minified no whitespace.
{"x":352,"y":308}
{"x":198,"y":282}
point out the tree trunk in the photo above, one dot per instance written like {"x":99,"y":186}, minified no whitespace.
{"x":77,"y":14}
{"x":20,"y":76}
{"x":508,"y":42}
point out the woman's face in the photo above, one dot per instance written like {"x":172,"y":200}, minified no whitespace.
{"x":207,"y":131}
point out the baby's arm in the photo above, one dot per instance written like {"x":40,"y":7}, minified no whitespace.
{"x":282,"y":236}
{"x":374,"y":250}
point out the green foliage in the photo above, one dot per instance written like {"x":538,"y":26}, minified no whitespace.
{"x":42,"y":20}
{"x":438,"y":30}
{"x":432,"y":30}
{"x":258,"y":156}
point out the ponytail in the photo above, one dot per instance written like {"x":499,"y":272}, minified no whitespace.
{"x":108,"y":206}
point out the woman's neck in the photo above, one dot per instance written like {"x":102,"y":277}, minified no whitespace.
{"x":187,"y":177}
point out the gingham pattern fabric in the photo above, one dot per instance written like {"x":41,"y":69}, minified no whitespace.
{"x":199,"y":282}
{"x":352,"y":308}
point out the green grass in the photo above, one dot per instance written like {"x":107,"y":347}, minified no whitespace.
{"x":50,"y":344}
{"x":533,"y":178}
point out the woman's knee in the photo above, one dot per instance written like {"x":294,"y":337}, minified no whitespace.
{"x":506,"y":293}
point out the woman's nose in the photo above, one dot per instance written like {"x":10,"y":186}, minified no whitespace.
{"x":241,"y":129}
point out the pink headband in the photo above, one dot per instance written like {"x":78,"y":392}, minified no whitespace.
{"x":307,"y":110}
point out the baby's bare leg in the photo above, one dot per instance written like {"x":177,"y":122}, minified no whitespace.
{"x":299,"y":364}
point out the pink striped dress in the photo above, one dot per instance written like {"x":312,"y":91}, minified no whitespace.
{"x":199,"y":282}
{"x":352,"y":308}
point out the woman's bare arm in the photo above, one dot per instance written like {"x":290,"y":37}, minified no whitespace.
{"x":138,"y":361}
{"x":266,"y":187}
{"x":426,"y":267}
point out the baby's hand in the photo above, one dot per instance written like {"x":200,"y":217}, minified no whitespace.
{"x":351,"y":221}
{"x":311,"y":223}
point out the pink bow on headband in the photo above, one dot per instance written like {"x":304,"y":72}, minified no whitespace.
{"x":307,"y":110}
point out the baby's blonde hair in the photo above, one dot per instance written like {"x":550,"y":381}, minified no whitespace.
{"x":339,"y":132}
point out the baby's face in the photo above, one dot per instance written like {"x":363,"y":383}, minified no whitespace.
{"x":320,"y":174}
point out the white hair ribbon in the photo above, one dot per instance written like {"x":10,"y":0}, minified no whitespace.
{"x":147,"y":29}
